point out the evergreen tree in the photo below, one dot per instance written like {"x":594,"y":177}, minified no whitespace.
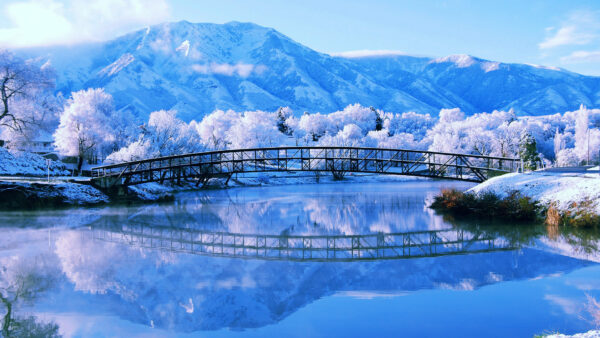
{"x":528,"y":151}
{"x":282,"y":115}
{"x":378,"y":119}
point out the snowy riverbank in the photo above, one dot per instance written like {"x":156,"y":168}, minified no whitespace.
{"x":25,"y":163}
{"x":564,"y":191}
{"x":32,"y":195}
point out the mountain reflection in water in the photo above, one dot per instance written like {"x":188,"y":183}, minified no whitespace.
{"x":177,"y":266}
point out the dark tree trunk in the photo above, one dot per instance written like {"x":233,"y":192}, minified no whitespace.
{"x":7,"y":318}
{"x":79,"y":164}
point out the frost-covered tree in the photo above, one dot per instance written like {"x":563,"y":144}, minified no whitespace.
{"x":43,"y":120}
{"x":528,"y":151}
{"x":409,"y":123}
{"x":214,"y":127}
{"x":365,"y":118}
{"x":350,"y":136}
{"x":381,"y":139}
{"x":85,"y":128}
{"x":449,"y":135}
{"x":314,"y":125}
{"x":163,"y":135}
{"x":559,"y":143}
{"x":566,"y":158}
{"x":25,"y":89}
{"x":582,"y":135}
{"x":254,"y":130}
{"x":28,"y":107}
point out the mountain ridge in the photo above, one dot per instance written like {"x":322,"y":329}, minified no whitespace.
{"x":196,"y":68}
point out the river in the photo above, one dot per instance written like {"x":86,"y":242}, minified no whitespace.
{"x":330,"y":259}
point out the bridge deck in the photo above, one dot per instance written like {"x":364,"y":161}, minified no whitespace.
{"x":337,"y":160}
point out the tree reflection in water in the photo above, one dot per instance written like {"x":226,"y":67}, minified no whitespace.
{"x":22,"y":282}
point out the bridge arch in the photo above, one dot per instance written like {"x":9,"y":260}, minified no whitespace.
{"x":224,"y":163}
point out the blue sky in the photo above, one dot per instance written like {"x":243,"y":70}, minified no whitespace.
{"x":552,"y":33}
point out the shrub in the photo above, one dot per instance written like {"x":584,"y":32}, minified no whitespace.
{"x":488,"y":204}
{"x":581,"y":215}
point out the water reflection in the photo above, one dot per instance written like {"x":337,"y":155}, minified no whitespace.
{"x":323,"y":248}
{"x":294,"y":210}
{"x":156,"y":266}
{"x":23,"y":280}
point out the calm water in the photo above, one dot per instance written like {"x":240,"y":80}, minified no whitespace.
{"x":262,"y":261}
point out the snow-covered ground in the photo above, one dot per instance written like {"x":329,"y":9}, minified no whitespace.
{"x":25,"y":163}
{"x":562,"y":189}
{"x":36,"y":194}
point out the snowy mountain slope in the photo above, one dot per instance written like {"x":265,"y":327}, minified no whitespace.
{"x":196,"y":68}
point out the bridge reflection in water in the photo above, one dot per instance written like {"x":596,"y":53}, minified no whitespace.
{"x":319,"y":248}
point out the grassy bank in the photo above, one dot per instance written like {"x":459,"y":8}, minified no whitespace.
{"x":513,"y":207}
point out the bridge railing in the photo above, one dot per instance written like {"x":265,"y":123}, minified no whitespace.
{"x":317,"y":158}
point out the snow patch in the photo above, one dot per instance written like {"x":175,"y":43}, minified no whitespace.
{"x":118,"y":65}
{"x":490,"y":66}
{"x":365,"y":53}
{"x":460,"y":60}
{"x":184,"y":47}
{"x":141,"y":44}
{"x":543,"y":67}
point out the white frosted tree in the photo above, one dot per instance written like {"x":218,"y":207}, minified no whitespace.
{"x":559,"y":143}
{"x":25,"y":89}
{"x":214,"y":127}
{"x":408,"y":123}
{"x":350,"y":136}
{"x":163,"y":135}
{"x":169,"y":135}
{"x":314,"y":125}
{"x":582,"y":135}
{"x":381,"y":139}
{"x":363,"y":117}
{"x":85,"y":128}
{"x":255,"y":129}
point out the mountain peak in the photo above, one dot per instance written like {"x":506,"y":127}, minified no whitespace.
{"x":368,"y":53}
{"x":460,"y":60}
{"x":466,"y":61}
{"x":198,"y":67}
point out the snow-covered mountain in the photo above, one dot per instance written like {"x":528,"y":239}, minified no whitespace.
{"x":196,"y":68}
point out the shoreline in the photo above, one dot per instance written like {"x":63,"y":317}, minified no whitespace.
{"x":555,"y":198}
{"x":36,"y":194}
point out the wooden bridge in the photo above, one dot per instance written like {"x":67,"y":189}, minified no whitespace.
{"x":336,"y":160}
{"x":330,"y":248}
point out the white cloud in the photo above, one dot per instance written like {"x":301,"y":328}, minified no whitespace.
{"x":367,"y":53}
{"x":50,"y":22}
{"x":569,"y":306}
{"x":580,"y":28}
{"x":582,"y":56}
{"x":242,"y":69}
